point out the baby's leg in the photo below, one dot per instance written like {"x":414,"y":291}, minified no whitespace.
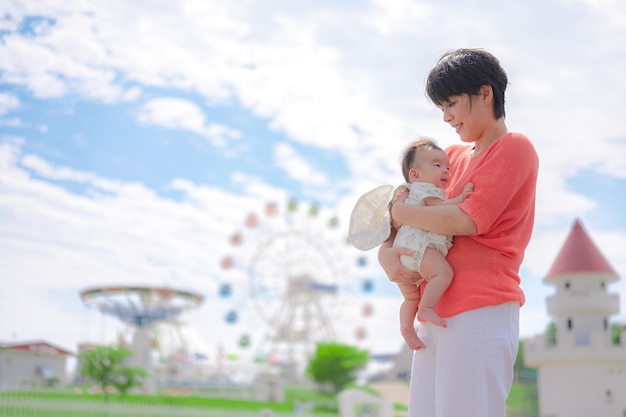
{"x":438,"y":272}
{"x":408,"y":310}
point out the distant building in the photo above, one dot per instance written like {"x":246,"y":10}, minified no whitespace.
{"x":32,"y":364}
{"x":581,"y":368}
{"x":399,"y":368}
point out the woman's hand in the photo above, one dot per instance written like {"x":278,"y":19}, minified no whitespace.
{"x":399,"y":197}
{"x":389,"y":259}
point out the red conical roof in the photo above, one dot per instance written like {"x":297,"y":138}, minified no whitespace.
{"x":579,"y":254}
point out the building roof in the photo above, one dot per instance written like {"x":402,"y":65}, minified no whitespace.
{"x":38,"y":347}
{"x":579,"y":254}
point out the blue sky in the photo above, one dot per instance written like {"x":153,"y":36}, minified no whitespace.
{"x":135,"y":139}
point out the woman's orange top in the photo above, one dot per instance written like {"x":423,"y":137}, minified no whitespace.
{"x":486,"y":266}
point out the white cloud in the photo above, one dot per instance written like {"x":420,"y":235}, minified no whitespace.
{"x":296,"y":165}
{"x":342,"y":67}
{"x":175,"y":113}
{"x":8,"y":102}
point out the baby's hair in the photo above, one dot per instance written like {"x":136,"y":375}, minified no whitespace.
{"x":408,"y":155}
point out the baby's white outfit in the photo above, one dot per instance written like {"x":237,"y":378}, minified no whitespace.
{"x":417,"y":239}
{"x":370,"y":224}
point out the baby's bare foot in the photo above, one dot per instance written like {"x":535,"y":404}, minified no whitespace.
{"x":411,"y":339}
{"x":428,"y":314}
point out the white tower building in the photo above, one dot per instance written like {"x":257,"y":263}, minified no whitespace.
{"x":581,"y":369}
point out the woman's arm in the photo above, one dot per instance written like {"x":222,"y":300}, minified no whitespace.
{"x":444,"y":219}
{"x":389,"y":259}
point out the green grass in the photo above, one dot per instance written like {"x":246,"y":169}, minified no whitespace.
{"x":523,"y":399}
{"x":325,"y":406}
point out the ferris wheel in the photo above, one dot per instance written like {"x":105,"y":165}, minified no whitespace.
{"x":294,"y":261}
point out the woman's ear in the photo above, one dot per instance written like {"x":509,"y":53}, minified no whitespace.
{"x":486,"y":93}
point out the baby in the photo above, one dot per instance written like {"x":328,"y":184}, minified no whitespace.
{"x":425,"y":167}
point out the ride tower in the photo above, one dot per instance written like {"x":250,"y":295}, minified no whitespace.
{"x":142,"y":308}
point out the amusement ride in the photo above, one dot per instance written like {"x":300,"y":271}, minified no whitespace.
{"x":143,"y":309}
{"x":295,"y":265}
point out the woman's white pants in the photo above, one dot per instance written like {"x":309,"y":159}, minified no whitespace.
{"x":466,"y":369}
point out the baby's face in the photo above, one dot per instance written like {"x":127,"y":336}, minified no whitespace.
{"x":431,"y":165}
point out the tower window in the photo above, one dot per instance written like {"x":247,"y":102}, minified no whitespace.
{"x":569,"y":324}
{"x":567,"y":285}
{"x":605,"y":323}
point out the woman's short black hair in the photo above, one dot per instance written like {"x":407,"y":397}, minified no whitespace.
{"x":465,"y":71}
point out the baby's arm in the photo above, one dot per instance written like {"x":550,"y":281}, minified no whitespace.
{"x":434,"y":201}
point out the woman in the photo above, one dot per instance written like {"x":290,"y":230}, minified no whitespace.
{"x":467,"y":368}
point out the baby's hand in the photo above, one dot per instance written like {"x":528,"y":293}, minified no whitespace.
{"x":467,"y":190}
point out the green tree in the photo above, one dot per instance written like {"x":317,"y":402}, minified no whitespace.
{"x":523,"y":373}
{"x":520,"y":363}
{"x":335,"y":365}
{"x":105,"y":366}
{"x":551,"y":332}
{"x":616,"y":333}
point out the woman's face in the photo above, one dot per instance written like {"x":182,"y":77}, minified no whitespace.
{"x":457,"y":112}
